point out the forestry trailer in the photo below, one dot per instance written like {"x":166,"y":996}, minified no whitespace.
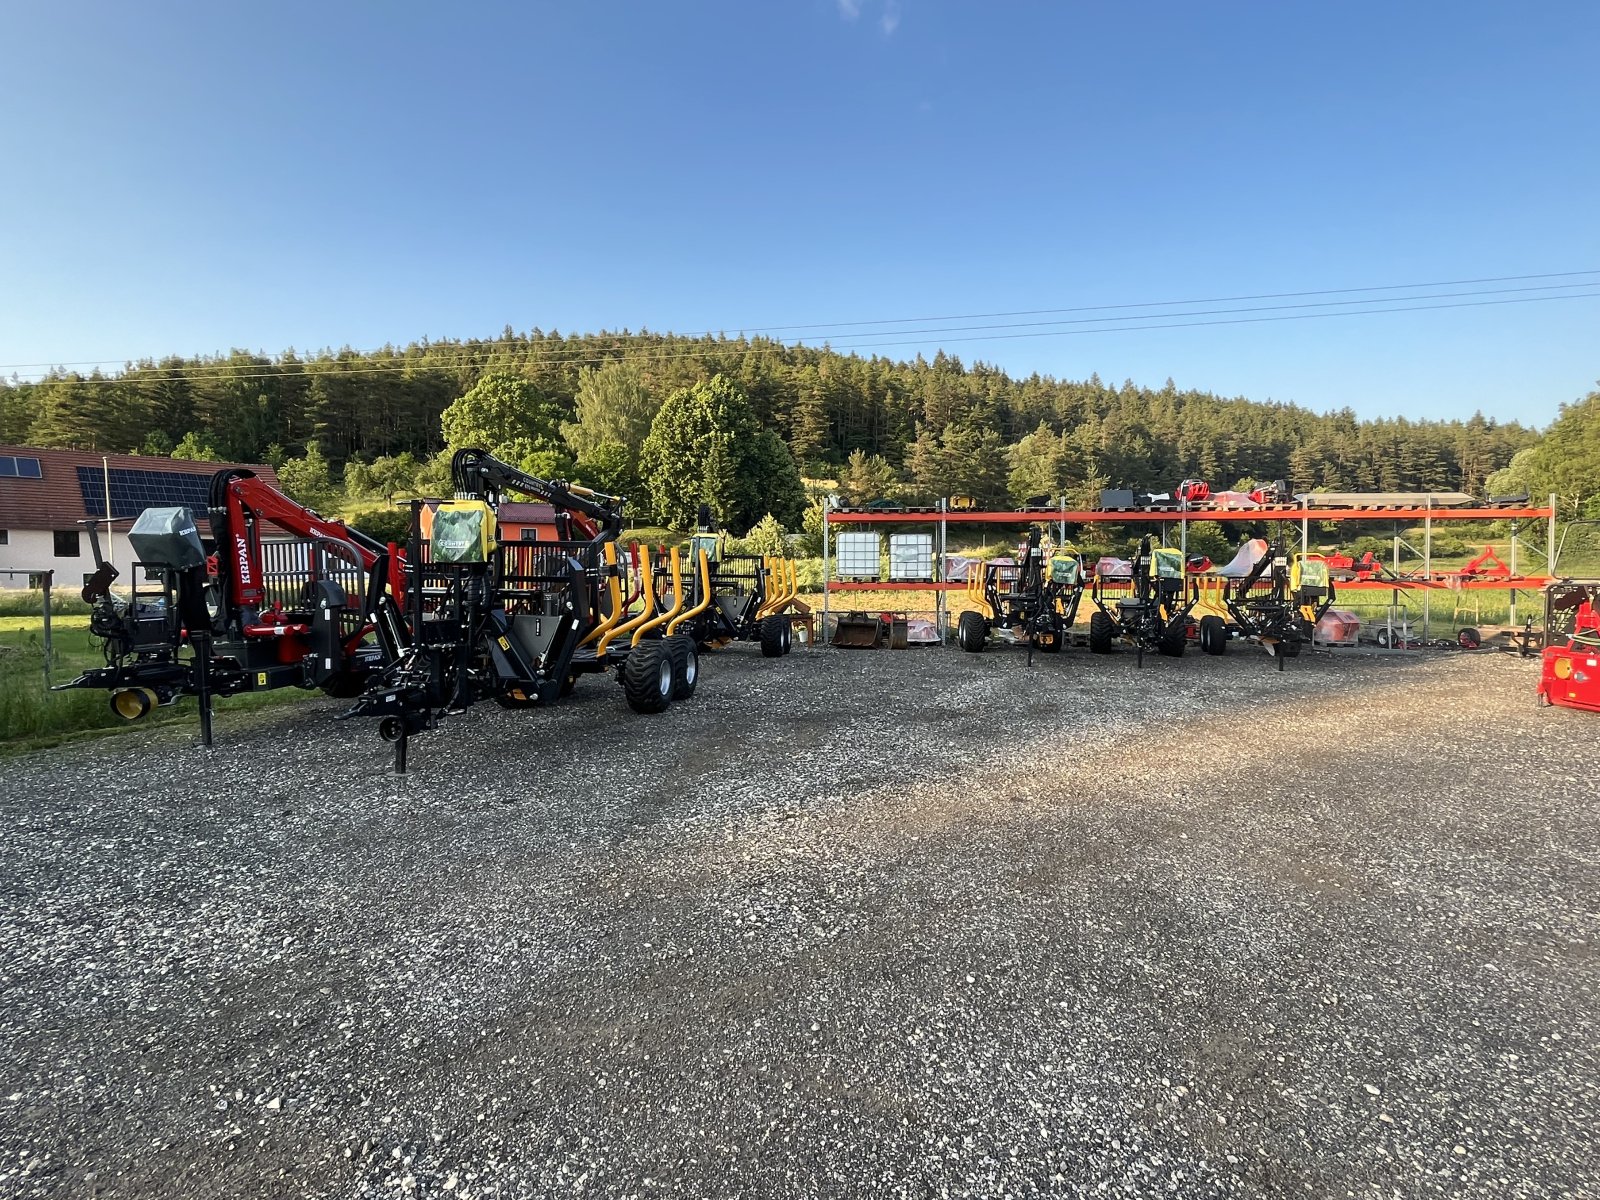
{"x":319,"y":609}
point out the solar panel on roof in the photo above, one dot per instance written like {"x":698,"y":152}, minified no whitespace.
{"x":28,"y":468}
{"x":134,"y":490}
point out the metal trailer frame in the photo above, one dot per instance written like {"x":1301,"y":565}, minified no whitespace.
{"x":1154,"y":615}
{"x":1022,"y":598}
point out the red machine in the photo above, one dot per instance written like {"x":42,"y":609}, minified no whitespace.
{"x":1274,"y":492}
{"x":1486,"y":566}
{"x":1570,"y":675}
{"x":270,"y":612}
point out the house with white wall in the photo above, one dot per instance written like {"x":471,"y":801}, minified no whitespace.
{"x":47,"y":497}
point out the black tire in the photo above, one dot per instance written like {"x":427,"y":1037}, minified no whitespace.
{"x":971,"y":632}
{"x":1469,"y":638}
{"x":1213,"y":635}
{"x":1174,"y":639}
{"x":1102,"y":633}
{"x":346,"y":685}
{"x":1289,"y":647}
{"x":771,"y":633}
{"x":648,"y":678}
{"x":788,"y":634}
{"x":685,"y":666}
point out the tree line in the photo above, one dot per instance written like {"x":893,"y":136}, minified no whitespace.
{"x":674,"y":421}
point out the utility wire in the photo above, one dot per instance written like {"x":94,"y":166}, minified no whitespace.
{"x":1002,"y":337}
{"x":466,"y":358}
{"x":1211,"y":312}
{"x":843,"y":325}
{"x":1039,"y":312}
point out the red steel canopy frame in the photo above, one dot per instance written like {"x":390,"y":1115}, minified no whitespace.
{"x":1425,"y":513}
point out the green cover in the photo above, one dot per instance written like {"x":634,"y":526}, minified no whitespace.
{"x":1169,"y":563}
{"x":1065,"y":569}
{"x":458,"y":536}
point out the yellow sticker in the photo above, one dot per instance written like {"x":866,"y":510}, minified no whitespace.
{"x":504,"y":644}
{"x":261,"y":679}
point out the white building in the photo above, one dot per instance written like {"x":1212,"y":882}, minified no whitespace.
{"x":47,"y":498}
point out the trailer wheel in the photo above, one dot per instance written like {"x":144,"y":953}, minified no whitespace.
{"x":648,"y":678}
{"x":1101,"y":633}
{"x":771,"y":633}
{"x":1289,"y":647}
{"x":971,"y":632}
{"x":1213,"y":635}
{"x":788,"y":634}
{"x":1173,"y":640}
{"x":345,"y":686}
{"x":685,"y":666}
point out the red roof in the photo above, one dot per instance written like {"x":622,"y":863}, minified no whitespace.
{"x":62,"y":495}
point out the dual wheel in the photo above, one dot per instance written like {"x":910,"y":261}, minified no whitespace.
{"x":1213,"y":635}
{"x":658,"y":672}
{"x":777,"y":636}
{"x":1103,"y":636}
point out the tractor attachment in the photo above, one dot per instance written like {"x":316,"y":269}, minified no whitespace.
{"x":317,"y":610}
{"x":742,"y":598}
{"x":1035,"y":600}
{"x":520,"y":622}
{"x":1570,"y":672}
{"x":1282,"y":619}
{"x":1154,"y":614}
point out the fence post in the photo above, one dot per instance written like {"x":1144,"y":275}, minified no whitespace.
{"x":49,"y":646}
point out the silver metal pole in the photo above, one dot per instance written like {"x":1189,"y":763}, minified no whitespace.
{"x":111,"y":532}
{"x":1427,"y":571}
{"x":941,"y":617}
{"x":1550,"y":540}
{"x":827,"y":569}
{"x":1513,"y":567}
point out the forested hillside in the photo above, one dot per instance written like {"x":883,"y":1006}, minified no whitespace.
{"x":593,"y":406}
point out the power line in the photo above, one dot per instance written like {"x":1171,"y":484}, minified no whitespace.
{"x":1209,"y":312}
{"x":467,"y":359}
{"x":844,"y":325}
{"x":1039,"y":312}
{"x":1253,"y":320}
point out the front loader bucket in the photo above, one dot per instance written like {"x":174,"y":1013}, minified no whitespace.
{"x":857,"y":631}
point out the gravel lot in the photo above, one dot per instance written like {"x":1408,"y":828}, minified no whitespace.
{"x":852,"y":924}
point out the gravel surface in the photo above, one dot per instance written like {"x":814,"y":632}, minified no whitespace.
{"x":854,"y":924}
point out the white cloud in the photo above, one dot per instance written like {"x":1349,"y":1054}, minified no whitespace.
{"x":849,"y":9}
{"x":890,"y":21}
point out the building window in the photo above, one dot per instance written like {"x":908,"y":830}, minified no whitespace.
{"x":67,"y":543}
{"x":5,"y":536}
{"x":529,"y":534}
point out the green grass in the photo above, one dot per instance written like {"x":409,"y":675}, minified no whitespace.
{"x":31,"y":716}
{"x":25,"y":602}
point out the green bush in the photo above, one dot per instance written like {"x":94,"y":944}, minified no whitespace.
{"x":384,"y":524}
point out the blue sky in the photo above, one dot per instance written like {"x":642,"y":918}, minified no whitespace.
{"x":191,"y":177}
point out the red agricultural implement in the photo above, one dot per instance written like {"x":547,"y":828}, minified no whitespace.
{"x":1570,"y":674}
{"x":318,"y":608}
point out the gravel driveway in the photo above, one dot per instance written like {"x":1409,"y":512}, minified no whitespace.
{"x":846,"y":924}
